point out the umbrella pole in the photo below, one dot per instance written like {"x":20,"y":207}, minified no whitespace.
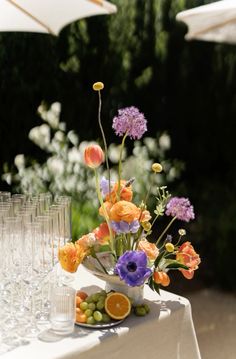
{"x":12,"y":2}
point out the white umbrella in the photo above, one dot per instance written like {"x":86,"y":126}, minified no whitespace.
{"x":212,"y":22}
{"x":48,"y":16}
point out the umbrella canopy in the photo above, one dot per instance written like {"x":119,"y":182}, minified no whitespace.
{"x":212,"y":22}
{"x":48,"y":16}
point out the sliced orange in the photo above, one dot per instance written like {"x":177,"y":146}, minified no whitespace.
{"x":117,"y":305}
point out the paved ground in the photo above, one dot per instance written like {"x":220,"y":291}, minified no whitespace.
{"x":214,"y":315}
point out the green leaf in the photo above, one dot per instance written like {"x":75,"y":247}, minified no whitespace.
{"x":104,"y":248}
{"x":158,"y":259}
{"x":176,"y":265}
{"x":154,"y":286}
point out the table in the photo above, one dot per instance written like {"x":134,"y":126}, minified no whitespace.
{"x":167,"y":332}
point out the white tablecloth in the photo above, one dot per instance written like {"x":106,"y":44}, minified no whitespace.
{"x":167,"y":332}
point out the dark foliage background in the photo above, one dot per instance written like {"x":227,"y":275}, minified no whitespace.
{"x":140,"y":54}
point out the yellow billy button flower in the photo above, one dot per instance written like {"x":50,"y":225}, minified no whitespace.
{"x":97,"y":86}
{"x":157,"y":167}
{"x":146,"y":226}
{"x":182,"y":232}
{"x":170,"y":247}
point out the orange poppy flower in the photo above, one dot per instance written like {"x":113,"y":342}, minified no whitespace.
{"x":102,"y":233}
{"x":187,"y":255}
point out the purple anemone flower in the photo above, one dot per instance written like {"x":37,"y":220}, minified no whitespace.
{"x":132,"y":268}
{"x":180,"y":208}
{"x":124,"y":227}
{"x":131,"y":121}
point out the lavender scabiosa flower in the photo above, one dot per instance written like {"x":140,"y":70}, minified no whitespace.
{"x":124,"y":227}
{"x":180,"y":208}
{"x":130,"y":121}
{"x":132,"y":268}
{"x":104,"y":186}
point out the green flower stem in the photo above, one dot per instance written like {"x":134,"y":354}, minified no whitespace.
{"x":104,"y":209}
{"x":96,"y":257}
{"x":104,"y":139}
{"x":165,"y":230}
{"x":120,"y":162}
{"x":129,"y":247}
{"x":149,"y":190}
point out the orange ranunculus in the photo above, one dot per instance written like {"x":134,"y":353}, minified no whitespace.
{"x":93,"y":156}
{"x":124,"y":211}
{"x":150,"y":249}
{"x":126,"y":193}
{"x":187,"y":256}
{"x":108,"y":207}
{"x":145,"y":216}
{"x":102,"y":233}
{"x":161,"y":278}
{"x":70,"y":256}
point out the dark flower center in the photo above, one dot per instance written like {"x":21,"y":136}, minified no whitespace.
{"x":131,"y":266}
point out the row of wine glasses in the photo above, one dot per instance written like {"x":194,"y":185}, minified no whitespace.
{"x":32,"y":229}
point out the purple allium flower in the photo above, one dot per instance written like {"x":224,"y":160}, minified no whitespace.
{"x":180,"y":208}
{"x":104,"y":185}
{"x":130,"y":121}
{"x":132,"y":268}
{"x":124,"y":227}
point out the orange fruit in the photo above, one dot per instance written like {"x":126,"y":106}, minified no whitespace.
{"x":81,"y":318}
{"x":117,"y":305}
{"x":81,"y":295}
{"x":78,"y":301}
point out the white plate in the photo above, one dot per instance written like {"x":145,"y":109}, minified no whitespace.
{"x":100,"y":326}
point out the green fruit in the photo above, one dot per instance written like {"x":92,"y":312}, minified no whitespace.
{"x":100,"y":305}
{"x":95,"y":297}
{"x":92,"y":306}
{"x":97,"y":316}
{"x":140,"y":311}
{"x":88,"y":313}
{"x":91,"y":320}
{"x":105,"y":318}
{"x":103,"y":293}
{"x":83,"y":306}
{"x":89,"y":299}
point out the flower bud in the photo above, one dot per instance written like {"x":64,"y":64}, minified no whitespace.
{"x":93,"y":156}
{"x":146,"y":226}
{"x":97,"y":86}
{"x":157,"y":167}
{"x":170,"y":247}
{"x":182,"y":232}
{"x":168,"y":238}
{"x":161,"y":278}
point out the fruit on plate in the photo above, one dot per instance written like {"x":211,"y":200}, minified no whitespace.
{"x":117,"y":305}
{"x":90,"y":309}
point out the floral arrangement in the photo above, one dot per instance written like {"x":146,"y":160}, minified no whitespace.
{"x":124,"y":244}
